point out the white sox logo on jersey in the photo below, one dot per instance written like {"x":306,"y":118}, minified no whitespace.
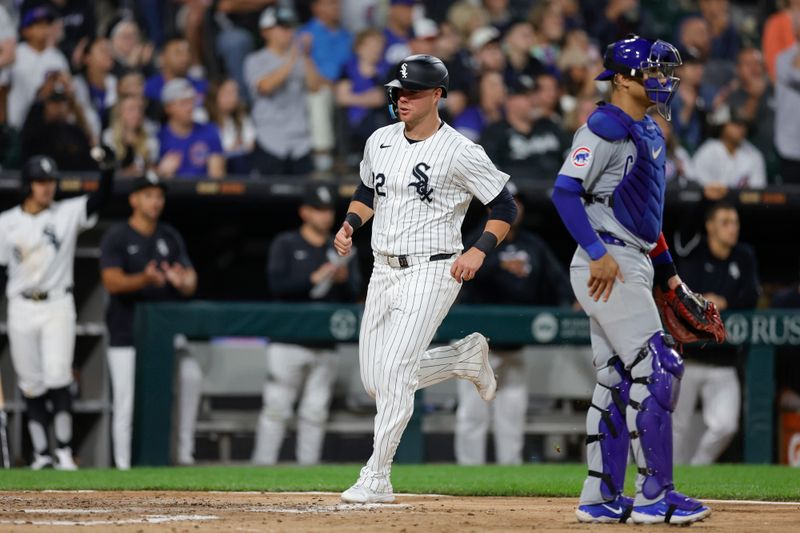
{"x":50,"y":233}
{"x":421,"y":185}
{"x":404,"y":70}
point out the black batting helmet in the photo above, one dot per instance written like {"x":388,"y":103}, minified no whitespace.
{"x":417,"y":73}
{"x":38,"y":167}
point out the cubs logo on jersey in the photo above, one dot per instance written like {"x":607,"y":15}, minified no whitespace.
{"x":581,"y":156}
{"x":421,"y":185}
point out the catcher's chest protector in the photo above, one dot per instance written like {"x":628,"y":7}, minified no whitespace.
{"x":638,"y":200}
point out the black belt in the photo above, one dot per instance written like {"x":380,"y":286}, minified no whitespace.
{"x":596,"y":199}
{"x":41,"y":296}
{"x":405,"y":261}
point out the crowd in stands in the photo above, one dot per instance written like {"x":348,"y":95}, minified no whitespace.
{"x":192,"y":88}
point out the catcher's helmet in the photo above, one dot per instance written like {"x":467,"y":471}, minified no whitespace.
{"x":636,"y":57}
{"x":417,"y":73}
{"x":38,"y":167}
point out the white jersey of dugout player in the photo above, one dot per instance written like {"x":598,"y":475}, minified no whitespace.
{"x":423,"y":189}
{"x":600,"y":165}
{"x":39,"y":249}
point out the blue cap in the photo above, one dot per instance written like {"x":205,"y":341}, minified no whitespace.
{"x":32,"y":16}
{"x":625,"y":57}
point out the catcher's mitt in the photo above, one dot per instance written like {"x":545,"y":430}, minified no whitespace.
{"x":689,"y":317}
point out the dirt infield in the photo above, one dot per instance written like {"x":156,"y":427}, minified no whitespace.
{"x":143,"y":512}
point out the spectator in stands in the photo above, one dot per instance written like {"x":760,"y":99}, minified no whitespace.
{"x":778,"y":34}
{"x":398,"y":31}
{"x":35,"y":59}
{"x":548,"y":96}
{"x":145,"y":260}
{"x":330,"y":48}
{"x":8,"y":46}
{"x":613,"y":20}
{"x":133,"y":142}
{"x":679,"y":167}
{"x":459,"y":67}
{"x":524,"y":145}
{"x":577,"y":117}
{"x":236,"y":128}
{"x":486,"y":51}
{"x":361,"y":88}
{"x":75,"y":23}
{"x":730,"y":160}
{"x":787,"y":108}
{"x":129,"y":50}
{"x":8,"y":50}
{"x":522,"y":270}
{"x":725,"y":271}
{"x":96,"y":87}
{"x":303,"y":267}
{"x":518,"y":43}
{"x":466,"y":17}
{"x":690,"y":107}
{"x":753,"y":95}
{"x":238,"y":29}
{"x":279,"y":77}
{"x":488,"y":110}
{"x":175,"y":62}
{"x":425,"y":32}
{"x":725,"y":40}
{"x":499,"y":12}
{"x":548,"y":26}
{"x":55,"y":126}
{"x":187,"y":149}
{"x":131,"y":83}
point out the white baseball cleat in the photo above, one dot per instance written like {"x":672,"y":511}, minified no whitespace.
{"x":41,"y":461}
{"x":64,"y":460}
{"x":361,"y":494}
{"x":486,"y":382}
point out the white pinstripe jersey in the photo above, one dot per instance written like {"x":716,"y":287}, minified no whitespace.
{"x":423,"y":189}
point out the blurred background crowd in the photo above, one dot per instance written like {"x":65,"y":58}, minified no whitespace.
{"x":195,"y":88}
{"x":232,"y":89}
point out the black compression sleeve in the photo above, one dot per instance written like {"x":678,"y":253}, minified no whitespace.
{"x":503,"y":207}
{"x":365,"y":195}
{"x":102,"y":195}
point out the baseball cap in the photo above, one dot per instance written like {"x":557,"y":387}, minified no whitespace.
{"x":282,"y":16}
{"x":150,"y":179}
{"x":522,"y":84}
{"x":320,"y":196}
{"x":483,"y":36}
{"x":36,"y":14}
{"x":177,"y":89}
{"x":40,"y":167}
{"x":425,"y":29}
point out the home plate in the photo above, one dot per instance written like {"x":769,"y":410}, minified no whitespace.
{"x":339,"y":507}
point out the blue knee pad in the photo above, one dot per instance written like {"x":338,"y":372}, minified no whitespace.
{"x":653,"y":414}
{"x":612,"y":432}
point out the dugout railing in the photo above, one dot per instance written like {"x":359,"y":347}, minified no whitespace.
{"x":157,"y":324}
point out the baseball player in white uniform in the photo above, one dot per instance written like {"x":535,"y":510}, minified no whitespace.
{"x":37,"y":243}
{"x":417,"y":178}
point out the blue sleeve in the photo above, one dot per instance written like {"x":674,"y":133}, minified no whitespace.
{"x":214,"y":141}
{"x":567,"y":199}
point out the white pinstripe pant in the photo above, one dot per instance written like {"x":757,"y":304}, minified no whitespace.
{"x":403,"y":311}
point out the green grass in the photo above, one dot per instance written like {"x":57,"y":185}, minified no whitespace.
{"x":720,"y":481}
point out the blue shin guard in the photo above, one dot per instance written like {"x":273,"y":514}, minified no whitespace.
{"x":607,"y":439}
{"x":656,"y":374}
